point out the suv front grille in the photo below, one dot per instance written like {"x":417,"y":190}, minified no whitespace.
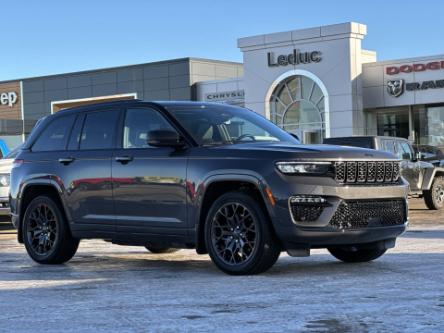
{"x":355,"y":214}
{"x":367,"y":172}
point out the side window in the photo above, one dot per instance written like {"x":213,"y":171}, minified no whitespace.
{"x":388,"y":146}
{"x":138,"y":123}
{"x":404,"y":151}
{"x":99,"y":129}
{"x":55,"y":135}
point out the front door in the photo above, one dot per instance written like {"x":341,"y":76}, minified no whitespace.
{"x":410,"y":168}
{"x":149,"y":183}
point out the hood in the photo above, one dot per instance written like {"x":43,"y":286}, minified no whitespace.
{"x":320,"y":151}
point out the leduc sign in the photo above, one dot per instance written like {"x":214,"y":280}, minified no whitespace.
{"x":295,"y":58}
{"x":8,"y":98}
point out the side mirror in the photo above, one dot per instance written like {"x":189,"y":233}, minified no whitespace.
{"x":165,"y":138}
{"x":407,"y":156}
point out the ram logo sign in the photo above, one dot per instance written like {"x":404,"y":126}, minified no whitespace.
{"x":395,"y":87}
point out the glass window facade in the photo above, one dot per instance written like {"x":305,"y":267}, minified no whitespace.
{"x":422,"y":124}
{"x":297,"y":105}
{"x":428,"y":125}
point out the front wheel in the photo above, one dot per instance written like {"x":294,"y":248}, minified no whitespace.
{"x":354,"y":254}
{"x":239,"y":236}
{"x":434,"y":198}
{"x":46,"y":233}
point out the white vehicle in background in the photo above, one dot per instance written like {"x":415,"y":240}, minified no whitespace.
{"x":5,"y":173}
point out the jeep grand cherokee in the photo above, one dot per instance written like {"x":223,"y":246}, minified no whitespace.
{"x":217,"y":178}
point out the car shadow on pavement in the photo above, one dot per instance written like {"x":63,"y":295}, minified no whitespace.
{"x":130,"y":266}
{"x":428,"y":234}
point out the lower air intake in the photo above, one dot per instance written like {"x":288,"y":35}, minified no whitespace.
{"x":357,"y":214}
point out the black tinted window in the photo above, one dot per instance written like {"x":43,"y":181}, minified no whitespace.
{"x":388,"y":146}
{"x":138,"y":123}
{"x":99,"y":130}
{"x":351,"y":141}
{"x":55,"y":135}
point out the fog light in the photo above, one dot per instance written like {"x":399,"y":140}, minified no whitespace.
{"x":307,"y":208}
{"x":304,"y":199}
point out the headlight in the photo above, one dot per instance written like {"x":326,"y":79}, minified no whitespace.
{"x":305,"y":168}
{"x":4,"y":180}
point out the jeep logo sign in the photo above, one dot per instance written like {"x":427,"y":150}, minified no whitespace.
{"x":8,"y":98}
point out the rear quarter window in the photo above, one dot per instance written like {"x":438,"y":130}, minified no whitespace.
{"x":55,"y":135}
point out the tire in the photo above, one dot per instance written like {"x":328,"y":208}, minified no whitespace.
{"x":353,"y":254}
{"x":45,"y":232}
{"x":434,"y":198}
{"x":159,"y":250}
{"x":253,"y":247}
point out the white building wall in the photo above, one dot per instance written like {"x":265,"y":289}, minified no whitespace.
{"x":339,"y":70}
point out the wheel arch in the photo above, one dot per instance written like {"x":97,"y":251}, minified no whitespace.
{"x":429,"y":176}
{"x":214,"y":187}
{"x":31,"y":190}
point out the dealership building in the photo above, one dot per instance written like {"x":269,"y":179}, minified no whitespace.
{"x":317,"y":83}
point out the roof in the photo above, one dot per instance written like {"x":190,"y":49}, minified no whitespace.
{"x":165,"y":104}
{"x":104,"y":69}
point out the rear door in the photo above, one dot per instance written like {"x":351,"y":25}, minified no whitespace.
{"x":86,"y":168}
{"x":150,"y":183}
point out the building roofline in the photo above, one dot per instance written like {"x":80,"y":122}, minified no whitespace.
{"x":104,"y":69}
{"x":404,"y":60}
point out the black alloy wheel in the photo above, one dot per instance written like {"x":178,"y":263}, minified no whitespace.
{"x":234,"y":233}
{"x":41,"y":227}
{"x":45,"y":231}
{"x":239,"y":236}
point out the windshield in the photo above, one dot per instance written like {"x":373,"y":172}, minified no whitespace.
{"x":223,"y":124}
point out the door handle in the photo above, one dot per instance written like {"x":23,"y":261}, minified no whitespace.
{"x":66,"y":160}
{"x":123,"y":159}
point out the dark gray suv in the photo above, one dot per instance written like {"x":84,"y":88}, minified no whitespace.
{"x":217,"y":178}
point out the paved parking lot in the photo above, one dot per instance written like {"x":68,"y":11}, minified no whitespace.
{"x":112,"y":288}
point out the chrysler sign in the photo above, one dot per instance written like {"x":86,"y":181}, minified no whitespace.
{"x":294,"y":58}
{"x":8,"y":98}
{"x":225,"y":96}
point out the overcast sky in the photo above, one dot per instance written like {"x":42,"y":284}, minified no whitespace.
{"x":49,"y":37}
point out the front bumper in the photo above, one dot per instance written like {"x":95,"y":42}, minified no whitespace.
{"x":312,"y":238}
{"x":4,"y":206}
{"x":324,"y":229}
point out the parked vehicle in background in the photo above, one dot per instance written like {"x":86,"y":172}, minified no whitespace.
{"x":430,"y":154}
{"x":5,"y":174}
{"x":4,"y":150}
{"x":426,"y":180}
{"x":218,"y":178}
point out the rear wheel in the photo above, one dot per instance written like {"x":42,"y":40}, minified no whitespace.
{"x":434,"y":198}
{"x":355,"y":254}
{"x":159,"y":249}
{"x":46,"y":235}
{"x":239,"y":237}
